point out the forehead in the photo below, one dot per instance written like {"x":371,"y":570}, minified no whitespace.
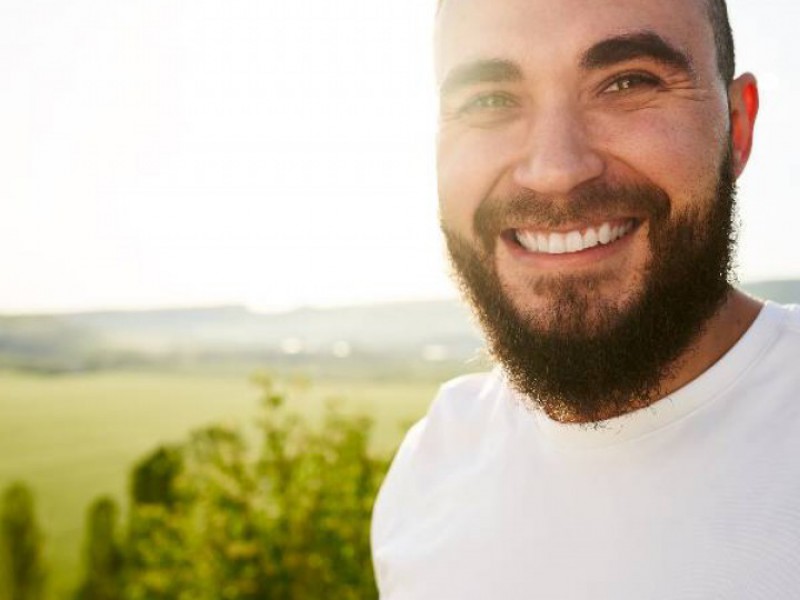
{"x":544,"y":33}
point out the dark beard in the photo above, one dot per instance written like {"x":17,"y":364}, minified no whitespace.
{"x":587,"y":369}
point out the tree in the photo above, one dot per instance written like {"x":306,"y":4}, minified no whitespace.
{"x":157,"y":554}
{"x":103,"y":557}
{"x":22,"y":571}
{"x":155,"y":478}
{"x":227,"y":512}
{"x":318,"y":487}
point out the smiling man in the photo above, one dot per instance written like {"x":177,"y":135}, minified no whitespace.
{"x":639,"y":438}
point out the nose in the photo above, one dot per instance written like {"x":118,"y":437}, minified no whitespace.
{"x":557,"y":155}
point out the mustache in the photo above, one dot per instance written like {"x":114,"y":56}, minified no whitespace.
{"x":595,"y":200}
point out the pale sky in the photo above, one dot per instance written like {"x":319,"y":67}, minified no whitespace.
{"x":274,"y":154}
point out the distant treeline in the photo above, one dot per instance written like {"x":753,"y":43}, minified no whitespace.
{"x":402,"y":338}
{"x":211,"y":519}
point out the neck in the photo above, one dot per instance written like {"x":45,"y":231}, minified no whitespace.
{"x":721,"y":333}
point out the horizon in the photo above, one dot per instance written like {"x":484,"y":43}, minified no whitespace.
{"x":234,"y":305}
{"x":295,"y":308}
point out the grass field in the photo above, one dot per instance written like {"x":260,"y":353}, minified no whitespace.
{"x":74,"y":437}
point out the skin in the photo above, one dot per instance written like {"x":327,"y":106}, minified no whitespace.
{"x":556,"y":124}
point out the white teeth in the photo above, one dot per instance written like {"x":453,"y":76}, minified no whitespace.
{"x":571,"y":241}
{"x":541,"y":241}
{"x":574,"y":241}
{"x":556,"y":244}
{"x":604,"y":233}
{"x":528,"y":240}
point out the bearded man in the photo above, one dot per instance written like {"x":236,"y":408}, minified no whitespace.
{"x":640,"y":436}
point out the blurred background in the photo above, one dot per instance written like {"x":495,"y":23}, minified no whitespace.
{"x":215,"y":216}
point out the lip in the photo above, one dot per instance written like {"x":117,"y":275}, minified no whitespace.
{"x":573,"y":260}
{"x":583,"y":226}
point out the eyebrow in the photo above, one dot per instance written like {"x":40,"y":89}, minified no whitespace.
{"x":645,"y":44}
{"x":480,"y":71}
{"x":606,"y":53}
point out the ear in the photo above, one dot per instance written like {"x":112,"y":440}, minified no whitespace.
{"x":743,"y":102}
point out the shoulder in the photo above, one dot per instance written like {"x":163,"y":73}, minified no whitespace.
{"x":462,"y":401}
{"x":786,"y":318}
{"x":451,"y":436}
{"x":769,"y":370}
{"x":457,"y":416}
{"x":792,"y":312}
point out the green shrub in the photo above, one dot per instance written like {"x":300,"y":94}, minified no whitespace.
{"x":21,"y":566}
{"x":103,"y":559}
{"x":212,"y":519}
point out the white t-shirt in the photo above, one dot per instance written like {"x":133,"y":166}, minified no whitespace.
{"x":695,"y":497}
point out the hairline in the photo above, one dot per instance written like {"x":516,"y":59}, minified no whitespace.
{"x":717,"y":12}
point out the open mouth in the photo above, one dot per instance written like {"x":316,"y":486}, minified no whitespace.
{"x":575,"y":240}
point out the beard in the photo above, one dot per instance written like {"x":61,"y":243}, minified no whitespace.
{"x":585,"y":360}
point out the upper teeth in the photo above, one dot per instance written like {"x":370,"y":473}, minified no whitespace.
{"x":572,"y":241}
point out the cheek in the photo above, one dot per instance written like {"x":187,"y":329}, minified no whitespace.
{"x":471,"y":166}
{"x":679,"y":155}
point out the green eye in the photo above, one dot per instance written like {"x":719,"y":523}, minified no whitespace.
{"x":488,"y":102}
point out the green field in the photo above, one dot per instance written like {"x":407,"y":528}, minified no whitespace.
{"x":74,"y":437}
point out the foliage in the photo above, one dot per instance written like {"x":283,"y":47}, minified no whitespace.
{"x":320,"y":485}
{"x":21,"y":565}
{"x":153,"y":480}
{"x":212,"y":519}
{"x":103,"y":558}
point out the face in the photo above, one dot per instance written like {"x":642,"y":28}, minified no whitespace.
{"x":586,"y":186}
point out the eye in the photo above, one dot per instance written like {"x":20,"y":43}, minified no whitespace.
{"x":630,"y":82}
{"x":489,"y":102}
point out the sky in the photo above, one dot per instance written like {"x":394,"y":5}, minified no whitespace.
{"x":158,"y":153}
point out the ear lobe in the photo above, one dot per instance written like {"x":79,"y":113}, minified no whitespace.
{"x":744,"y":102}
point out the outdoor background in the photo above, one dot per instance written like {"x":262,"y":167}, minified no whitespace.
{"x":214,"y":215}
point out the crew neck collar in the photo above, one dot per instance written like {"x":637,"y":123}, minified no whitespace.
{"x":714,"y":382}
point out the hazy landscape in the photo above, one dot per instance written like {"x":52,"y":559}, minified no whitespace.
{"x":386,"y":339}
{"x":83,"y":396}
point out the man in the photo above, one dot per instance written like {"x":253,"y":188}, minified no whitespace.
{"x":641,"y":436}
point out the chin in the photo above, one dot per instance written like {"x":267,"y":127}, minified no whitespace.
{"x":584,"y":306}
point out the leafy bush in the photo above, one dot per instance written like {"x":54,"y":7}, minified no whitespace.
{"x":21,"y":566}
{"x":103,"y":558}
{"x":212,"y":519}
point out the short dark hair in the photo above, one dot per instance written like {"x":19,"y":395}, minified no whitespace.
{"x":723,"y":37}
